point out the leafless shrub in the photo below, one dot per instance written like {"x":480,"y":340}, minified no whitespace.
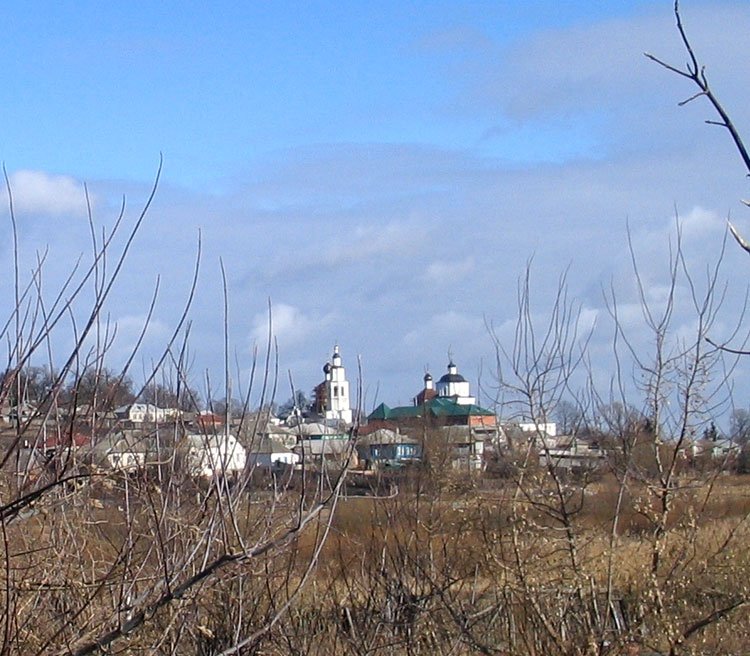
{"x":151,"y":558}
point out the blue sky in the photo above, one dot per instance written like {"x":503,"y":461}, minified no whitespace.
{"x":381,"y":171}
{"x":99,"y":90}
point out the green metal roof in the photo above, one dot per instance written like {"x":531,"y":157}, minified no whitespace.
{"x":401,"y":412}
{"x":442,"y":407}
{"x":381,"y":412}
{"x":436,"y":407}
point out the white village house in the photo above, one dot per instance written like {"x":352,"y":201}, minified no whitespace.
{"x":139,"y":413}
{"x":121,"y":452}
{"x":317,"y":442}
{"x":571,"y":454}
{"x":208,"y":455}
{"x":271,"y":453}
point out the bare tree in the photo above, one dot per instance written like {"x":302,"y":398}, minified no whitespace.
{"x":111,"y":559}
{"x":695,"y":72}
{"x":667,"y":386}
{"x":101,"y":387}
{"x":739,"y":426}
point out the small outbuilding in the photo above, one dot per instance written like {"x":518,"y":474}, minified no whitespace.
{"x":269,"y":453}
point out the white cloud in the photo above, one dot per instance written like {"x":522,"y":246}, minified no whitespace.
{"x":700,"y":222}
{"x":289,"y":325}
{"x":448,"y":329}
{"x":120,"y":337}
{"x":449,"y":270}
{"x":694,"y":227}
{"x":37,"y":192}
{"x":372,"y":241}
{"x":130,"y":327}
{"x":587,"y":320}
{"x":600,"y":64}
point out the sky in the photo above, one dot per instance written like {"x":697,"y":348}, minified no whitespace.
{"x":379,"y":174}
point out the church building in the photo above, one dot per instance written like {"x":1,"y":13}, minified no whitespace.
{"x":452,"y":386}
{"x":332,"y":395}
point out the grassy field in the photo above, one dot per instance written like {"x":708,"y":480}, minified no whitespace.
{"x":458,"y":569}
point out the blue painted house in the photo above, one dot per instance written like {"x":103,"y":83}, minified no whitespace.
{"x":387,"y":448}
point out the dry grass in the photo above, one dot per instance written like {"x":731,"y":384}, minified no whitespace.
{"x":475,"y":545}
{"x":450,"y":572}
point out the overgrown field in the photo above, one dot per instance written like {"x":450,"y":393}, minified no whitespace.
{"x":455,"y":568}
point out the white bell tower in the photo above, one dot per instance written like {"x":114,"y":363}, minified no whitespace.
{"x":338,"y":405}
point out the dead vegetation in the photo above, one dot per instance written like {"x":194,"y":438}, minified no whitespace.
{"x":648,"y":556}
